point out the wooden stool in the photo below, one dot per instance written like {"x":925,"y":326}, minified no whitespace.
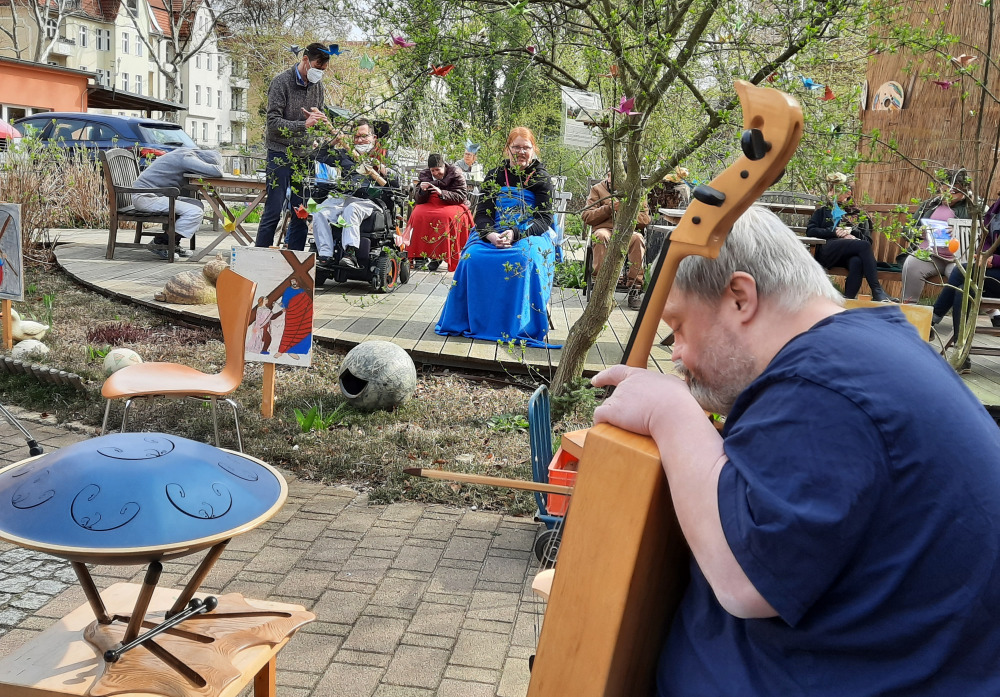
{"x":60,"y":662}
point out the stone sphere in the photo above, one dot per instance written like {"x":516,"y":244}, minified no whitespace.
{"x":377,"y":375}
{"x":29,"y":348}
{"x":119,"y":358}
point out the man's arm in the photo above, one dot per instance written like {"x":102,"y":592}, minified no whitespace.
{"x":453,"y":188}
{"x":692,"y":454}
{"x":594,"y":209}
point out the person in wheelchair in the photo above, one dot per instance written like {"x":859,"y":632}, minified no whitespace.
{"x":599,"y":213}
{"x":503,"y":282}
{"x":361,"y":168}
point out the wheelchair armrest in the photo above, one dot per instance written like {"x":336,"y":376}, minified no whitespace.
{"x":168,"y":191}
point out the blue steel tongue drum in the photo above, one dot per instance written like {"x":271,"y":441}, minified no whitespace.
{"x":145,"y":498}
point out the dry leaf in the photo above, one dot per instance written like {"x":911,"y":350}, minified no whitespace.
{"x":411,"y":456}
{"x":455,"y":487}
{"x":440,"y":462}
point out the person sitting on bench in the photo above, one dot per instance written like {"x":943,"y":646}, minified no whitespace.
{"x":362,"y":167}
{"x":439,"y":224}
{"x":848,"y":234}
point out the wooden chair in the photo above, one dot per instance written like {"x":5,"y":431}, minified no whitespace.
{"x":235,"y":297}
{"x":121,"y":169}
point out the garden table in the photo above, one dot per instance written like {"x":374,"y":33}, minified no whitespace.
{"x":218,"y":192}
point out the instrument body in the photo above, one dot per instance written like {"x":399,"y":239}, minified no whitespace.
{"x":623,"y":564}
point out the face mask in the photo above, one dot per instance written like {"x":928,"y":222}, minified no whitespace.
{"x":363,"y":147}
{"x":314,"y":75}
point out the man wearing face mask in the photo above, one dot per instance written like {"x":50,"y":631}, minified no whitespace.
{"x":362,"y":166}
{"x":294,"y":103}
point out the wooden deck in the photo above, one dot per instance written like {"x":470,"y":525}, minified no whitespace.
{"x":345,"y":315}
{"x":348,"y":314}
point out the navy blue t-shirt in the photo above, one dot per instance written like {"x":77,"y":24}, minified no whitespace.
{"x":862,"y":499}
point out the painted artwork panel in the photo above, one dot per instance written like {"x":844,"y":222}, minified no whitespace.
{"x":11,"y":256}
{"x":280,"y":329}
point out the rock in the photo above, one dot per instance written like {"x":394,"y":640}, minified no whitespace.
{"x":187,"y":288}
{"x":28,"y":349}
{"x":213,"y":268}
{"x":377,"y":375}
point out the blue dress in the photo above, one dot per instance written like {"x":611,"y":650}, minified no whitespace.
{"x":503,"y":294}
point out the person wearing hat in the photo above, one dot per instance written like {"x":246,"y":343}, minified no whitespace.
{"x":927,"y":260}
{"x":848,"y":234}
{"x":439,"y":225}
{"x":472,"y":170}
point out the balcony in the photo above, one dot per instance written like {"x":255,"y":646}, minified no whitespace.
{"x":64,"y":47}
{"x":239,"y":115}
{"x":239,"y":82}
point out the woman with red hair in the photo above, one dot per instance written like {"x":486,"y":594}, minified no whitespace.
{"x":503,"y":281}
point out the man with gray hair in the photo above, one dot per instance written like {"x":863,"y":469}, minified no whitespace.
{"x":839,"y":545}
{"x":169,"y":170}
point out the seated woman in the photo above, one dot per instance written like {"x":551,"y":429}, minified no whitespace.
{"x":503,"y":281}
{"x":848,"y":235}
{"x":928,"y":260}
{"x":439,"y":224}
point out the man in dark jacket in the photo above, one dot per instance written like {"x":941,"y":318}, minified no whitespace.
{"x":294,"y":103}
{"x":440,"y":178}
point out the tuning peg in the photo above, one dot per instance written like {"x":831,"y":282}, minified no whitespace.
{"x":753,"y":144}
{"x":708,"y":195}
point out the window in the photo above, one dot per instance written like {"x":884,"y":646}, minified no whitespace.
{"x":208,"y":61}
{"x":218,"y":98}
{"x":102,"y":78}
{"x":197,"y":60}
{"x":103,"y":39}
{"x":194,"y":128}
{"x":84,"y":38}
{"x":125,"y":82}
{"x":125,"y":42}
{"x":133,"y":6}
{"x":218,"y":133}
{"x":138,"y":45}
{"x":197,"y":94}
{"x":138,"y":84}
{"x":51,"y":28}
{"x":208,"y":96}
{"x":204,"y":131}
{"x":236,"y":99}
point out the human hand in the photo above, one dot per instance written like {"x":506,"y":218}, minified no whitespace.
{"x":843,"y":232}
{"x":640,"y":397}
{"x":425,"y":185}
{"x":501,"y":240}
{"x":616,"y":204}
{"x":314,"y":116}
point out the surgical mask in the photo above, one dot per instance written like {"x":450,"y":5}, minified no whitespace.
{"x":363,"y":147}
{"x":314,"y":75}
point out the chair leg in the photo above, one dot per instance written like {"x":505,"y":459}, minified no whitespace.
{"x":236,"y":419}
{"x":138,"y":231}
{"x":112,"y":234}
{"x":128,"y":405}
{"x":215,"y":422}
{"x":107,"y":412}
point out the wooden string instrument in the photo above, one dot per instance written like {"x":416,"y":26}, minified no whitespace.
{"x":623,"y":562}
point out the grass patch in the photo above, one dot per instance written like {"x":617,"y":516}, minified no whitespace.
{"x":452,"y":422}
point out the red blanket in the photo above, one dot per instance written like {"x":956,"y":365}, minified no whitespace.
{"x":438,"y":231}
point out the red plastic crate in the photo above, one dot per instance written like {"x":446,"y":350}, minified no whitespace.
{"x":560,"y":474}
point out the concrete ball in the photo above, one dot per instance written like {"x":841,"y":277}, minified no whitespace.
{"x":377,"y":375}
{"x":118,"y":358}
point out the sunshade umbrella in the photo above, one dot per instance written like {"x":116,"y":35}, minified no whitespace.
{"x":8,"y":131}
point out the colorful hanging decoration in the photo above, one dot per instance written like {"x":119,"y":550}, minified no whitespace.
{"x":828,"y":95}
{"x":334,"y":50}
{"x":295,"y":50}
{"x":532,"y":49}
{"x":772,"y":77}
{"x":402,"y":42}
{"x":442,"y":70}
{"x":311,"y":205}
{"x":964,"y":60}
{"x":480,"y":36}
{"x":518,"y":8}
{"x":612,"y":72}
{"x":944,"y":84}
{"x":471,"y":147}
{"x":366,"y":63}
{"x":625,"y":108}
{"x":808,"y":83}
{"x":301,"y":212}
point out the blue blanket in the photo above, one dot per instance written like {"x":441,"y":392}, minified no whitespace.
{"x":502,"y":294}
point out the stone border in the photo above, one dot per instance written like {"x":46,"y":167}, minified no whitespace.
{"x":42,"y":373}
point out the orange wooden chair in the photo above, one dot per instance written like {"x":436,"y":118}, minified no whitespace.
{"x":146,"y":380}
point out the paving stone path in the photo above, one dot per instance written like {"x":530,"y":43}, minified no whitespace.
{"x":411,"y":600}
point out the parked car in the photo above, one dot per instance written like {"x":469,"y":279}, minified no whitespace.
{"x":150,"y":138}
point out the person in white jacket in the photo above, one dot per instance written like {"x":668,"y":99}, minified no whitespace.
{"x":169,"y":170}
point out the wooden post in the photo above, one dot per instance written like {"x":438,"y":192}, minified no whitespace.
{"x":267,"y":403}
{"x":8,"y":324}
{"x":265,"y":683}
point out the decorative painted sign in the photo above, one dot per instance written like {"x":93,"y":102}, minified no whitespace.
{"x":11,"y":257}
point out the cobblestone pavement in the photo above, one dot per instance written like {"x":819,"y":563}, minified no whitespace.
{"x":411,"y":600}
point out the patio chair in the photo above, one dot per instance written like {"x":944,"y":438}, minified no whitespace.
{"x":147,"y":380}
{"x":121,"y":169}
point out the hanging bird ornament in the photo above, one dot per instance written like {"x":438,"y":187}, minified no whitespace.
{"x":626,"y":106}
{"x":402,"y":42}
{"x":944,"y":84}
{"x":612,"y":72}
{"x":295,"y":50}
{"x":518,"y":8}
{"x":964,"y":61}
{"x":808,"y":83}
{"x":366,"y":63}
{"x":480,"y":36}
{"x":442,"y":70}
{"x":828,"y":95}
{"x":334,"y":50}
